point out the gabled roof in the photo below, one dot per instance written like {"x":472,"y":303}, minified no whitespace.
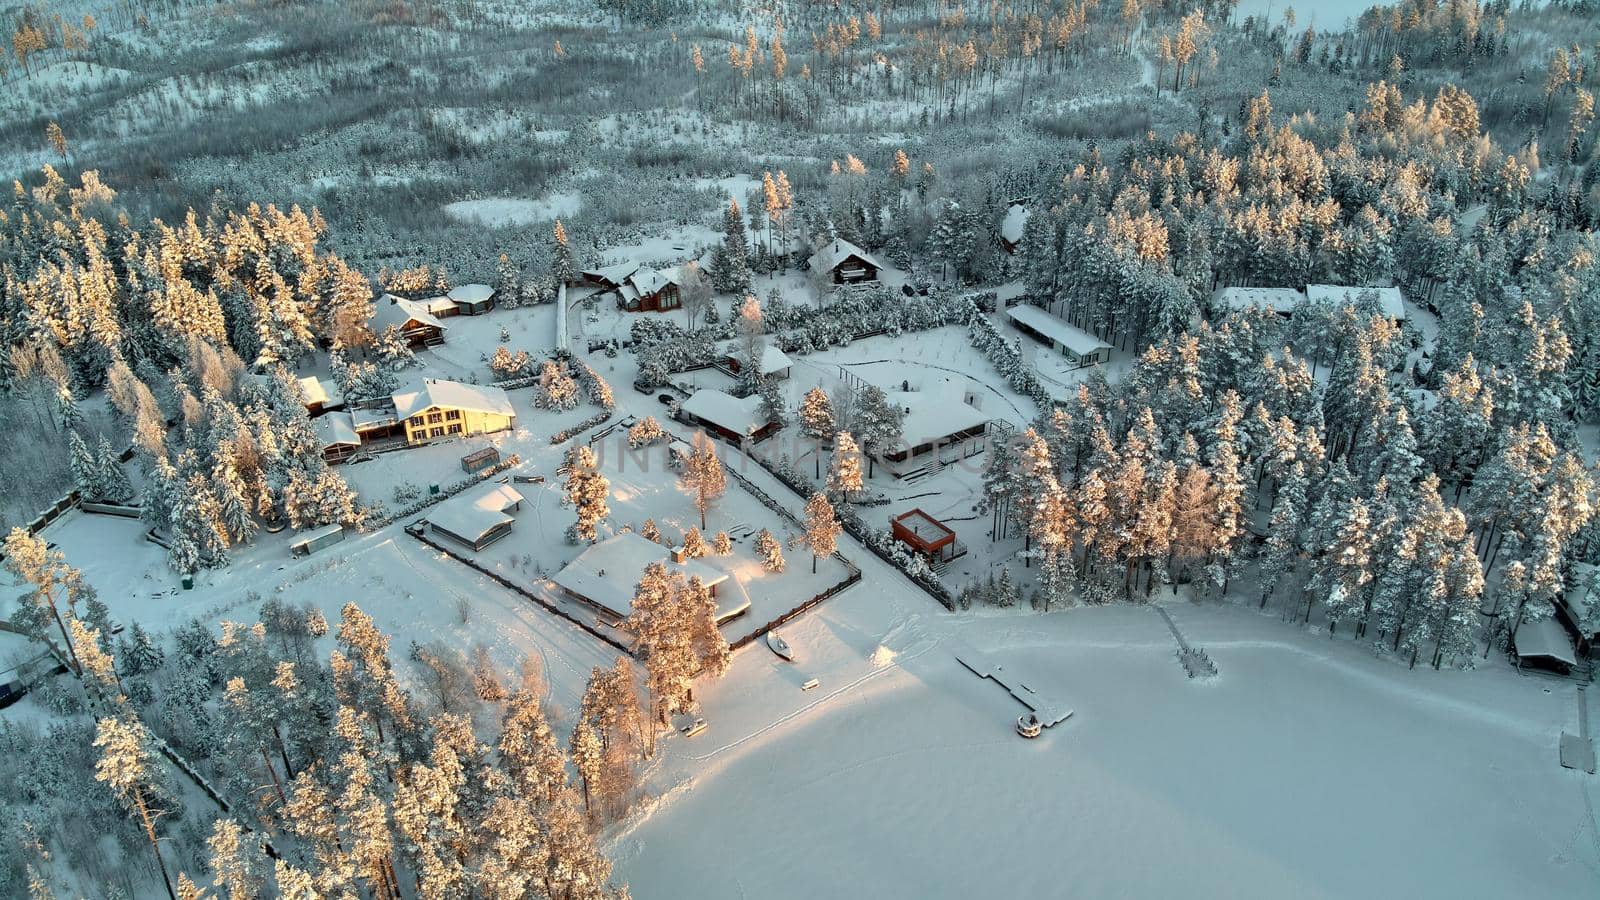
{"x":1062,"y":332}
{"x":392,"y":310}
{"x":772,"y":358}
{"x":606,"y":574}
{"x":452,"y":395}
{"x":471,"y":293}
{"x":336,"y":429}
{"x":649,"y":281}
{"x":738,"y":415}
{"x":934,"y":415}
{"x":1545,"y":638}
{"x":316,"y":391}
{"x":1339,"y":295}
{"x":837,"y":251}
{"x":1281,"y":299}
{"x":612,"y":275}
{"x":474,"y":512}
{"x":438,"y":305}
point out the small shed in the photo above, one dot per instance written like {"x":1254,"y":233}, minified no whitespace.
{"x":845,"y":262}
{"x":478,"y":516}
{"x":774,"y":362}
{"x":319,"y":397}
{"x":337,"y":434}
{"x":926,"y":535}
{"x":478,"y":460}
{"x":308,"y":542}
{"x":472,"y":299}
{"x":1544,"y":643}
{"x":1079,"y":347}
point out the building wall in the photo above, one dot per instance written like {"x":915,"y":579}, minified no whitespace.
{"x":437,"y":423}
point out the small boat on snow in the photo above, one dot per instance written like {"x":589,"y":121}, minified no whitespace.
{"x":779,"y":646}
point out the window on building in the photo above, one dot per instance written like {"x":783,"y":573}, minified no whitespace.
{"x":435,"y":418}
{"x":452,"y":414}
{"x":416,"y":420}
{"x":436,"y":432}
{"x":454,"y":429}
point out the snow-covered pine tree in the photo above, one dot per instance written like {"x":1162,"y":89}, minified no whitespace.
{"x":587,"y":491}
{"x":822,"y":529}
{"x":844,"y":473}
{"x":702,"y":475}
{"x":722,"y":544}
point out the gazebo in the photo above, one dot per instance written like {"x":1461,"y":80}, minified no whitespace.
{"x":926,"y":535}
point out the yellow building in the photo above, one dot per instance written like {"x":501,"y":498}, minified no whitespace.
{"x":436,"y":410}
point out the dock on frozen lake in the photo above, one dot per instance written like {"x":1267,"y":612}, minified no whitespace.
{"x":1021,"y":685}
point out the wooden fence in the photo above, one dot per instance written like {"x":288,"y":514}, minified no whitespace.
{"x":527,"y":594}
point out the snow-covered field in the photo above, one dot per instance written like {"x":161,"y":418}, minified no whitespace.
{"x":500,"y":211}
{"x":1306,"y":769}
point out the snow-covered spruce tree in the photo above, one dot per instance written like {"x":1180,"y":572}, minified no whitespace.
{"x":557,"y":389}
{"x":817,"y":422}
{"x":877,"y":423}
{"x":1280,"y":558}
{"x":650,"y":531}
{"x":85,"y":471}
{"x":238,"y":860}
{"x":563,"y":268}
{"x":722,"y":544}
{"x":694,"y":543}
{"x":730,"y":261}
{"x":770,"y":549}
{"x":702,"y":475}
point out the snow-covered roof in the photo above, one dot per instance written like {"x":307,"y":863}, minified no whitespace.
{"x":315,"y":534}
{"x":772,"y":358}
{"x":612,"y":274}
{"x":365,"y":417}
{"x":606,"y":574}
{"x":649,"y":281}
{"x":316,"y":391}
{"x":336,"y":429}
{"x":474,"y":512}
{"x":471,"y":293}
{"x":837,"y":251}
{"x":452,"y":395}
{"x":1281,"y":299}
{"x":1545,"y":638}
{"x":1338,"y":295}
{"x":438,"y":305}
{"x":392,"y":310}
{"x":933,"y":416}
{"x":738,"y":415}
{"x":1067,"y":335}
{"x":1015,"y":221}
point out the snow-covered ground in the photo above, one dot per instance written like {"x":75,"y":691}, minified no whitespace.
{"x":500,"y":211}
{"x":1308,"y":768}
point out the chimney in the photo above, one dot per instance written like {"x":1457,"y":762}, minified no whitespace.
{"x":678,"y":555}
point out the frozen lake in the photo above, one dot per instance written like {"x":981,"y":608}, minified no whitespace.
{"x":1306,"y":769}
